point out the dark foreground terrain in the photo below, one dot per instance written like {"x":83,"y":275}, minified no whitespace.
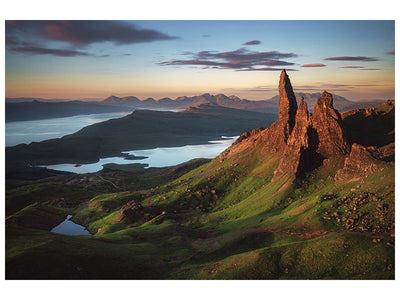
{"x":310,"y":197}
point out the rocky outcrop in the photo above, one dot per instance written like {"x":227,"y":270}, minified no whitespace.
{"x":385,"y":153}
{"x":329,"y":127}
{"x":278,"y":133}
{"x":287,"y":99}
{"x":298,"y":139}
{"x":312,"y":136}
{"x":296,"y":156}
{"x":358,"y":164}
{"x":131,"y":211}
{"x":247,"y":134}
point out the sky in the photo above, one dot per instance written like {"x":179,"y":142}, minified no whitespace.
{"x":96,"y":59}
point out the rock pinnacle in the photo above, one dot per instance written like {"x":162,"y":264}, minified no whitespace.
{"x":287,"y":99}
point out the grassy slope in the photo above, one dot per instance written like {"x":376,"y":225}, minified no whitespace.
{"x":225,"y":220}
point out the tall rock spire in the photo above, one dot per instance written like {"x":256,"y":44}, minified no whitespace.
{"x":329,"y":126}
{"x":287,"y":99}
{"x":279,"y":132}
{"x":296,"y":157}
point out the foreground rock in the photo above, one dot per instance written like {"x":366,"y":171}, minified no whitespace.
{"x":358,"y":164}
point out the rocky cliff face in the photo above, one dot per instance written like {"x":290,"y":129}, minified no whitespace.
{"x":329,"y":127}
{"x":313,"y":136}
{"x":277,"y":134}
{"x":287,"y":100}
{"x":297,"y":148}
{"x":300,"y":140}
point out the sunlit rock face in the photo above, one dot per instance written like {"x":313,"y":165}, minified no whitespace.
{"x":298,"y":139}
{"x":296,"y":156}
{"x":328,"y":124}
{"x":287,"y":99}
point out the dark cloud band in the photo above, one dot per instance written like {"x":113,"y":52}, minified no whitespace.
{"x":83,"y":33}
{"x":241,"y":59}
{"x":352,"y":58}
{"x":352,"y":67}
{"x":44,"y":51}
{"x":255,"y":42}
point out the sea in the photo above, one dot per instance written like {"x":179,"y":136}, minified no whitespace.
{"x":25,"y":132}
{"x":40,"y":130}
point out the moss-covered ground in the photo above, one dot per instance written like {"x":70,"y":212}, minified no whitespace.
{"x":219,"y":219}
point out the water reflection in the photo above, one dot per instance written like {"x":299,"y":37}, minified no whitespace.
{"x":40,"y":130}
{"x":158,"y":157}
{"x":70,"y":228}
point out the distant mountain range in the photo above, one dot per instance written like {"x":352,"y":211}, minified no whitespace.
{"x":33,"y":109}
{"x":269,"y":106}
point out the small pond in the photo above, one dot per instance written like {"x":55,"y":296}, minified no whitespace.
{"x":70,"y":228}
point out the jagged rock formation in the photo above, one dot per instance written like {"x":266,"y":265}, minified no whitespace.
{"x":277,"y":134}
{"x":301,"y":141}
{"x":287,"y":99}
{"x":358,"y":164}
{"x":313,"y":136}
{"x":328,"y":124}
{"x":297,"y":146}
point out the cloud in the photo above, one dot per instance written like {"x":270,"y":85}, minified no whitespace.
{"x":265,"y":69}
{"x":83,"y":33}
{"x":390,"y":53}
{"x":370,"y":69}
{"x":241,"y":59}
{"x":313,"y":65}
{"x":44,"y":51}
{"x":352,"y":67}
{"x":255,"y":42}
{"x":317,"y":87}
{"x":353,"y":58}
{"x":34,"y":50}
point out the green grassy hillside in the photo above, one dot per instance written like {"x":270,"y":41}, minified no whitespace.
{"x":225,"y":219}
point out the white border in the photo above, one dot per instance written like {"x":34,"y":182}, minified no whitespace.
{"x":198,"y":10}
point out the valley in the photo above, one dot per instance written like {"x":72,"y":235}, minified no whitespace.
{"x":304,"y":196}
